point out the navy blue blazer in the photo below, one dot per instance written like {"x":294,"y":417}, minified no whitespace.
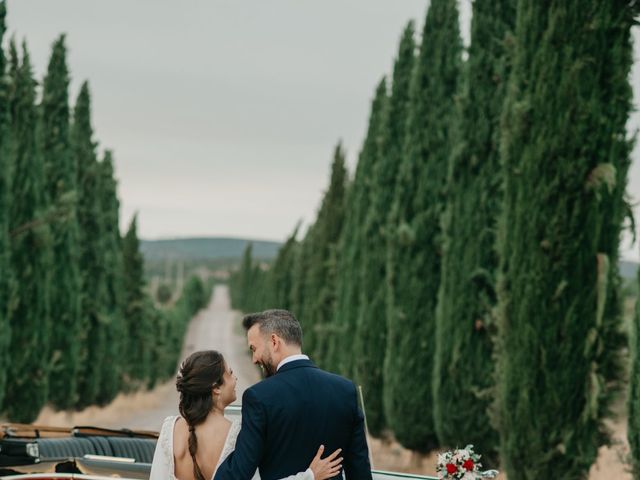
{"x":286,"y":417}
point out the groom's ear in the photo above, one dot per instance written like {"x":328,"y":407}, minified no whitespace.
{"x":274,"y":340}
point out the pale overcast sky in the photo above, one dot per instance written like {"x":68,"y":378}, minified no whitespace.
{"x":223,"y":114}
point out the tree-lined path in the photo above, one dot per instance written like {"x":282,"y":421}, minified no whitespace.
{"x":217,"y":327}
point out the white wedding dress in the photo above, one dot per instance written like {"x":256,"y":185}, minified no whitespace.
{"x":163,"y":467}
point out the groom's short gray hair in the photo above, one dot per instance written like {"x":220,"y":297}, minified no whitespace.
{"x":280,"y":322}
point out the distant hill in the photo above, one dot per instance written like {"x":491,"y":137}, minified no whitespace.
{"x":206,"y":248}
{"x":217,"y":248}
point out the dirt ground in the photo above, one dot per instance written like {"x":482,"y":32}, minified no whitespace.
{"x":216,"y":327}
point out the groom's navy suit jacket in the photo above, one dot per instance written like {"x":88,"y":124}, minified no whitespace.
{"x":286,"y":417}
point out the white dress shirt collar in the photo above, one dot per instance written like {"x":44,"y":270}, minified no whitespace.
{"x":291,"y":358}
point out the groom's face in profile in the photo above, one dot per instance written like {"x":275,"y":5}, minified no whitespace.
{"x":260,"y":350}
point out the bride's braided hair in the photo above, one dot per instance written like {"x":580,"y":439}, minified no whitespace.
{"x":198,"y":375}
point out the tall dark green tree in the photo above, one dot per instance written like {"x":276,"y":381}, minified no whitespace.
{"x":30,"y":255}
{"x":280,"y":276}
{"x":160,"y":353}
{"x":633,"y":427}
{"x":371,"y":333}
{"x":61,"y":179}
{"x":113,"y":267}
{"x":137,"y":366}
{"x":566,"y":157}
{"x":416,"y":246}
{"x":300,"y":294}
{"x":349,"y":260}
{"x":246,"y":277}
{"x":243,"y":285}
{"x":93,"y":354}
{"x":5,"y":163}
{"x":322,"y":262}
{"x":194,"y":295}
{"x":463,"y":370}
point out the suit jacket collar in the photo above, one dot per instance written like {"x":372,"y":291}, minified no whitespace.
{"x":296,"y":364}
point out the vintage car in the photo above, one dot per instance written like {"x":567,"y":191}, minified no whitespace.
{"x":90,"y":453}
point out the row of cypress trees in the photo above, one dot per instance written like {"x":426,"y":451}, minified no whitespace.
{"x":467,"y":275}
{"x":76,"y":325}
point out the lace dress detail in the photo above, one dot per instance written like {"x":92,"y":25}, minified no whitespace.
{"x":163,"y":466}
{"x":230,"y":442}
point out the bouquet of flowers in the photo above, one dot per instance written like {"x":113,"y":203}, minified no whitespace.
{"x":462,"y":464}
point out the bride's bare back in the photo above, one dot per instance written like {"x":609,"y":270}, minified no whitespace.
{"x":211,"y":436}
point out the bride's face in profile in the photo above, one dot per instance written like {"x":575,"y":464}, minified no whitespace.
{"x":228,"y":388}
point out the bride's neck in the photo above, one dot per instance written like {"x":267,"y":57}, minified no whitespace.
{"x":216,"y":413}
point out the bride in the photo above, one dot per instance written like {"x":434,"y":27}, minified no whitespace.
{"x":192,"y":445}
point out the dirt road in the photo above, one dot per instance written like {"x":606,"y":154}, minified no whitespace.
{"x":217,"y":328}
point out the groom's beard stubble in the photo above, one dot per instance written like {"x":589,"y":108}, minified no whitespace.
{"x":267,"y":367}
{"x":268,"y":370}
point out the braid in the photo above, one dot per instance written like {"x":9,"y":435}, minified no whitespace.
{"x":194,"y":383}
{"x":193,"y":448}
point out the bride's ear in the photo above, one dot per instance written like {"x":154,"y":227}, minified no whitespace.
{"x":216,"y":390}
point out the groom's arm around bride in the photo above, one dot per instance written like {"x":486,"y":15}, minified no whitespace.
{"x":297,"y":408}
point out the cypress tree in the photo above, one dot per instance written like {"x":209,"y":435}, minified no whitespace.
{"x":164,"y":293}
{"x":137,"y":365}
{"x":322,"y":268}
{"x":175,"y":332}
{"x":258,"y":295}
{"x":194,"y":296}
{"x":463,"y":370}
{"x":372,"y":320}
{"x":633,"y":426}
{"x":159,"y":353}
{"x":280,"y":276}
{"x":566,"y":156}
{"x":234,"y":286}
{"x":112,"y":261}
{"x":61,"y":177}
{"x":244,"y":280}
{"x":30,"y":254}
{"x":350,"y":257}
{"x":93,"y":354}
{"x":415,"y":247}
{"x":5,"y":273}
{"x":247,"y":277}
{"x":300,"y":295}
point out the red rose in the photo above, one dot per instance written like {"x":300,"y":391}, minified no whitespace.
{"x":451,"y":468}
{"x":468,"y":465}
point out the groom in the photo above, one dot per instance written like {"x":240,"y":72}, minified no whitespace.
{"x":287,"y":416}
